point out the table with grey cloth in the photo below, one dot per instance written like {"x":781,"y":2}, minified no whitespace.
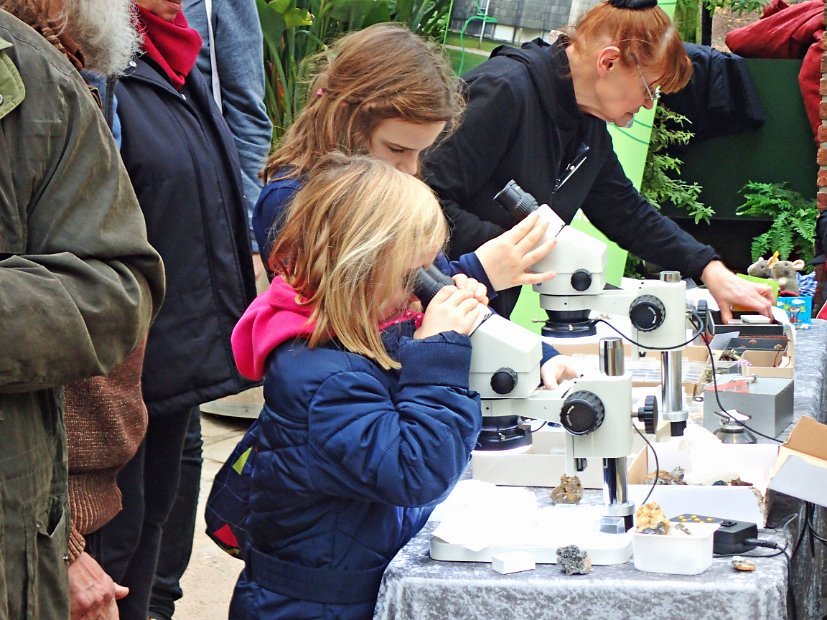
{"x":415,"y":587}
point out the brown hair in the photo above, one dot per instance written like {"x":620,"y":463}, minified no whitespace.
{"x":35,"y":13}
{"x":644,"y":35}
{"x":351,"y":237}
{"x":384,"y":71}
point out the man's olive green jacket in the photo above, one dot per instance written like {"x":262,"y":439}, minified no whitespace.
{"x":79,"y":285}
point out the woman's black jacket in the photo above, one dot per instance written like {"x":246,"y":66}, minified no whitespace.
{"x":184,"y":167}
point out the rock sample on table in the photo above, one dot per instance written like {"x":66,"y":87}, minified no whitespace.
{"x":569,"y":491}
{"x":573,"y":560}
{"x":650,"y":519}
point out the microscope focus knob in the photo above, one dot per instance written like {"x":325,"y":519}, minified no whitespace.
{"x":647,"y":313}
{"x":581,"y":280}
{"x":504,"y":380}
{"x":648,"y":414}
{"x":582,"y":413}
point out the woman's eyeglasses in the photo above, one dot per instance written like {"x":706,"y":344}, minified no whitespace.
{"x":653,"y":96}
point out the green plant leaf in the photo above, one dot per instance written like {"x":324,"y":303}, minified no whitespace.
{"x":792,"y":232}
{"x":272,"y":23}
{"x":280,"y":6}
{"x":658,"y":185}
{"x":295,"y":18}
{"x":296,"y":30}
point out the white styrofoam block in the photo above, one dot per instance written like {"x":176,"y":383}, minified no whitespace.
{"x":512,"y":562}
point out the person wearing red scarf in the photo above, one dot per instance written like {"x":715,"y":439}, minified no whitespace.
{"x":183,"y":164}
{"x":169,"y":41}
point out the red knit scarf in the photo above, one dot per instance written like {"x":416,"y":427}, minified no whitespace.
{"x":173,"y":45}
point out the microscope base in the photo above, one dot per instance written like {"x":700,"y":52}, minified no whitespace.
{"x":477,"y":537}
{"x":603,"y":549}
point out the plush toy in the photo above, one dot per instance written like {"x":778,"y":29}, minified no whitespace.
{"x":783,"y":271}
{"x":760,"y":269}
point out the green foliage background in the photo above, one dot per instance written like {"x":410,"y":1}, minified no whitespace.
{"x":296,"y":30}
{"x":792,"y":233}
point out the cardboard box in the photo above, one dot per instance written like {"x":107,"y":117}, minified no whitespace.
{"x":768,"y":401}
{"x":752,"y":463}
{"x":760,"y":362}
{"x":801,"y":467}
{"x":769,"y":363}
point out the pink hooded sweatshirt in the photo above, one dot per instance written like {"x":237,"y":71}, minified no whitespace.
{"x":273,"y":318}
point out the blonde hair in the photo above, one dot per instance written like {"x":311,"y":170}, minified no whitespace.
{"x":384,"y":71}
{"x":645,"y":36}
{"x":350,"y":239}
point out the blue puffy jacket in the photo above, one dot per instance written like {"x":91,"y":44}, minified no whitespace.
{"x":346,"y":463}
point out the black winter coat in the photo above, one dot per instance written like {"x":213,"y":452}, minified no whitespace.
{"x":183,"y":164}
{"x":523,"y":123}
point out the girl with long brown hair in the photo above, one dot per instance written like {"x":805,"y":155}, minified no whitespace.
{"x":385,"y":92}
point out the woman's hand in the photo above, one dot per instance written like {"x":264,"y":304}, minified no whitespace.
{"x":557,"y":369}
{"x":507,"y":258}
{"x":728,"y":289}
{"x":451,"y":309}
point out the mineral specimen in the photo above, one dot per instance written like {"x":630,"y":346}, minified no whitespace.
{"x":743,"y":564}
{"x":573,"y":560}
{"x":650,"y":519}
{"x":664,"y":477}
{"x":569,"y":491}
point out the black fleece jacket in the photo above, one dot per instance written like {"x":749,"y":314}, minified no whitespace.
{"x":523,"y":123}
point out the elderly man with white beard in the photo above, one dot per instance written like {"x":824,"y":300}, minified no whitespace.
{"x":105,"y":416}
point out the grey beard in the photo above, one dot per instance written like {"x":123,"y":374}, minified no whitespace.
{"x":105,"y":31}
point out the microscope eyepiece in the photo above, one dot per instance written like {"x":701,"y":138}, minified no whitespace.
{"x":428,"y":283}
{"x":518,"y":202}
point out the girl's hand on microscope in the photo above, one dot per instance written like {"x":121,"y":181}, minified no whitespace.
{"x":557,"y":369}
{"x":507,"y":258}
{"x":476,"y":288}
{"x":451,"y":309}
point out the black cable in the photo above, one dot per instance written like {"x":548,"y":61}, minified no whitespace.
{"x":657,"y":465}
{"x":648,"y":347}
{"x":781,"y":551}
{"x":767,"y":544}
{"x":698,"y":324}
{"x":811,"y":527}
{"x":789,"y":560}
{"x":801,"y":533}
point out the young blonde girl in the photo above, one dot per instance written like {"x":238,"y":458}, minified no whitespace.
{"x":386,"y":92}
{"x":368,"y":419}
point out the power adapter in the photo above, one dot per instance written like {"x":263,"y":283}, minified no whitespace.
{"x":731,"y":537}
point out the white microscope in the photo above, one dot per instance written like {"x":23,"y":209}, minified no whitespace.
{"x":656,"y":309}
{"x":596,"y":410}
